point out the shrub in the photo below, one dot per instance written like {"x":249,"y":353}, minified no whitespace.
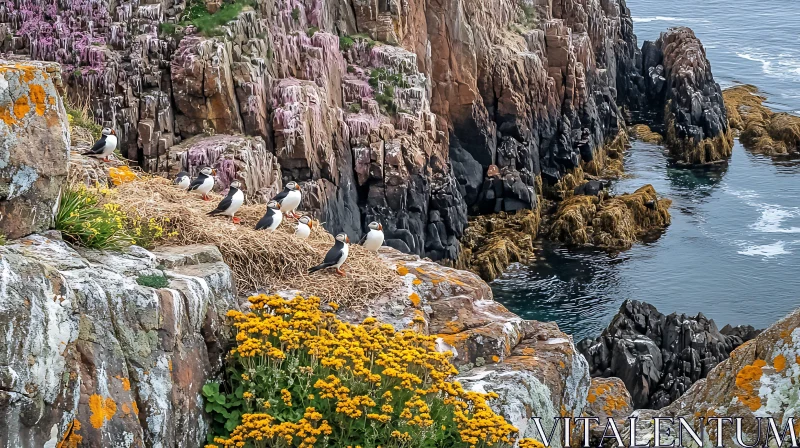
{"x":84,"y":222}
{"x":153,"y":280}
{"x":208,"y":24}
{"x":299,"y":377}
{"x":312,"y":31}
{"x":295,"y":13}
{"x":167,"y":28}
{"x":355,"y":108}
{"x":346,"y":43}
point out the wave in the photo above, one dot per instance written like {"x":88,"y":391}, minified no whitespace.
{"x":654,"y":19}
{"x":772,"y":218}
{"x":766,"y":250}
{"x":782,"y":66}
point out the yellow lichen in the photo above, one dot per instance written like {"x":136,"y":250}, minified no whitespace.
{"x":71,"y":439}
{"x":495,"y":358}
{"x":135,"y":407}
{"x":417,"y":282}
{"x":126,"y":383}
{"x":125,"y":409}
{"x":102,"y":409}
{"x":744,"y":381}
{"x":38,"y":98}
{"x":414,"y":298}
{"x":402,"y":270}
{"x":21,"y":107}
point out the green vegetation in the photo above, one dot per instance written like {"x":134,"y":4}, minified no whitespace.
{"x":355,"y":108}
{"x":385,"y":84}
{"x":225,"y":408}
{"x":3,"y":240}
{"x":346,"y":43}
{"x":156,"y":281}
{"x":208,"y":24}
{"x":80,"y":116}
{"x":167,"y":28}
{"x":84,"y":222}
{"x":312,"y":31}
{"x":529,"y":15}
{"x":295,"y":13}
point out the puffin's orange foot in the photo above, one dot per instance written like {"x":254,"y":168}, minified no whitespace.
{"x":206,"y":198}
{"x":106,"y":160}
{"x":236,"y":220}
{"x":340,"y":272}
{"x":296,"y":215}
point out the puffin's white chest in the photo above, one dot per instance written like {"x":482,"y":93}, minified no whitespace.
{"x":111,"y":144}
{"x":277,"y":217}
{"x":291,"y":201}
{"x":374,"y":240}
{"x":303,"y":231}
{"x":206,"y":186}
{"x":343,"y":258}
{"x":236,"y":201}
{"x":184,"y":182}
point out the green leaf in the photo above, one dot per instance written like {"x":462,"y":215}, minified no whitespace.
{"x":210,"y":389}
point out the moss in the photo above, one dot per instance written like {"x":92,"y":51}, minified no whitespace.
{"x":346,"y":43}
{"x":354,"y":108}
{"x":207,"y":23}
{"x":295,"y":13}
{"x":156,"y":281}
{"x":167,"y":29}
{"x":312,"y":31}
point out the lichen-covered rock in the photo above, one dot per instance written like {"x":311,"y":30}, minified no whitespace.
{"x":682,"y":91}
{"x":659,"y":357}
{"x":492,"y":242}
{"x":235,"y":157}
{"x":534,"y":367}
{"x":762,"y":130}
{"x":614,"y":223}
{"x":758,"y":380}
{"x":92,"y":354}
{"x":34,"y":146}
{"x":608,"y":399}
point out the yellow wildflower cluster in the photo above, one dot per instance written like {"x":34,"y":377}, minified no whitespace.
{"x":121,"y":174}
{"x":82,"y":220}
{"x":360,"y":385}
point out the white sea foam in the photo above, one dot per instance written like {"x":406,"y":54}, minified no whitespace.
{"x":766,"y":250}
{"x":773,"y":217}
{"x":654,"y":19}
{"x":784,"y":66}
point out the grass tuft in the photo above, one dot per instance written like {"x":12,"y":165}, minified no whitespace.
{"x":156,"y":281}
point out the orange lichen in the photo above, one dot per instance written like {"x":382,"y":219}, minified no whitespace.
{"x":102,"y":409}
{"x":417,"y":282}
{"x":135,"y":407}
{"x":744,"y":381}
{"x":125,"y":409}
{"x":421,"y":271}
{"x":561,"y":364}
{"x":170,"y":365}
{"x":780,"y":363}
{"x":21,"y":107}
{"x":38,"y":98}
{"x":528,"y":351}
{"x":414,"y":298}
{"x":402,"y":270}
{"x":495,"y":358}
{"x":126,"y":383}
{"x":71,"y":439}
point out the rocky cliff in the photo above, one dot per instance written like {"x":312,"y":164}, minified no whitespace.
{"x":392,"y":110}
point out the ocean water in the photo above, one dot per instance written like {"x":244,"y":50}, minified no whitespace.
{"x":747,"y":41}
{"x":733,"y":249}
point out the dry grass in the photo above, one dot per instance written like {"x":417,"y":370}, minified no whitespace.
{"x":762,"y":130}
{"x":615,"y":223}
{"x":260,"y":260}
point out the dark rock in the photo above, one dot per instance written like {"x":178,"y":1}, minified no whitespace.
{"x":659,"y":357}
{"x":591,"y":188}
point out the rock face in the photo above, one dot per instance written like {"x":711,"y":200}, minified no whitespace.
{"x":614,"y":223}
{"x":411,"y":113}
{"x":608,"y":399}
{"x":761,"y":130}
{"x":758,"y":380}
{"x":533,"y":366}
{"x":659,"y":357}
{"x":34,"y":146}
{"x":94,"y":359}
{"x":682,"y":92}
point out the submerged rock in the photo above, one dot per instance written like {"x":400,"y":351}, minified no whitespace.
{"x":659,"y":357}
{"x":760,"y":379}
{"x":681,"y":91}
{"x":762,"y":130}
{"x":91,"y":352}
{"x":614,"y":223}
{"x":34,"y":146}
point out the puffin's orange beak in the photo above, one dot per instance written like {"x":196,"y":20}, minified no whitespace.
{"x":296,"y":186}
{"x":310,"y":224}
{"x":380,"y":227}
{"x":278,"y":205}
{"x":213,"y":172}
{"x":113,"y":132}
{"x":347,"y":239}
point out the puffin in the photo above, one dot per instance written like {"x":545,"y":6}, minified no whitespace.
{"x":289,"y":199}
{"x":105,"y":146}
{"x":204,"y":182}
{"x":304,"y":226}
{"x":182,"y":180}
{"x":231,"y":203}
{"x":373,"y":240}
{"x":272,"y":219}
{"x":336,"y":256}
